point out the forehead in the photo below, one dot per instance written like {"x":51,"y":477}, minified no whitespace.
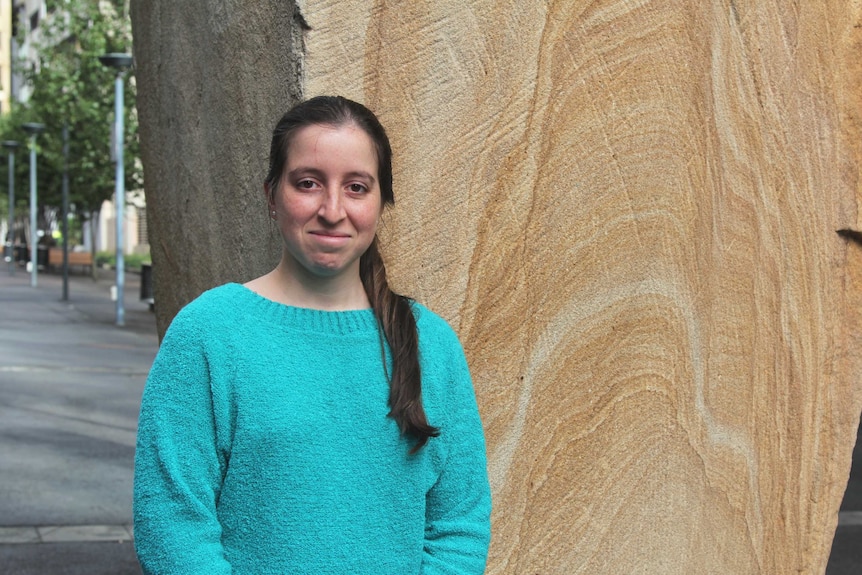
{"x":326,"y":141}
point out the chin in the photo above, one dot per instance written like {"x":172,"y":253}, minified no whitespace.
{"x":324,"y":267}
{"x":327,"y":270}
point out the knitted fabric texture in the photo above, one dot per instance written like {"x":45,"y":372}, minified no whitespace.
{"x":265,"y":446}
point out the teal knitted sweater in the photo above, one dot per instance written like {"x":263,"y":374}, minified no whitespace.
{"x":264,"y":446}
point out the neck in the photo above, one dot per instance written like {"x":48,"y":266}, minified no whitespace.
{"x":291,"y":284}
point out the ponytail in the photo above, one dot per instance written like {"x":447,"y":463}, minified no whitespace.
{"x":393,"y":311}
{"x":398,"y":325}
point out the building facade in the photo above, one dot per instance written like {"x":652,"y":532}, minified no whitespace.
{"x":5,"y":54}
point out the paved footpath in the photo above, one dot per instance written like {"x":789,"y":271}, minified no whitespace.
{"x":70,"y":387}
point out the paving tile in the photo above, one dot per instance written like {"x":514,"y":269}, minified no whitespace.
{"x":83,"y":533}
{"x":18,"y":535}
{"x":850,"y":518}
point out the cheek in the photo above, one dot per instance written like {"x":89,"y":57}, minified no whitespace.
{"x":293,"y":208}
{"x":371,"y":220}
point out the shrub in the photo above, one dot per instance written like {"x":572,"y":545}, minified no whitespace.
{"x":131,"y":262}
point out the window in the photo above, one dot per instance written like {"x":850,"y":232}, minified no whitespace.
{"x":34,"y":20}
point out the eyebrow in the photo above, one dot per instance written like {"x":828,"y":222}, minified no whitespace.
{"x":319,"y":173}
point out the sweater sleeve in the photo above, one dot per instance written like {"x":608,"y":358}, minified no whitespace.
{"x":178,"y":466}
{"x":458,"y":506}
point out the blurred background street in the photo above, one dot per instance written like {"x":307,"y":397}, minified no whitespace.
{"x":70,"y":386}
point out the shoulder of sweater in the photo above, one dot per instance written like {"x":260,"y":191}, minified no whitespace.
{"x":430,"y":323}
{"x":210,"y":308}
{"x":436,"y":335}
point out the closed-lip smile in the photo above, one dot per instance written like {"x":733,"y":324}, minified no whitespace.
{"x":327,"y":234}
{"x":330,"y":237}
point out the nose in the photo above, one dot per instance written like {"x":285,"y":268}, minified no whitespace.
{"x":332,"y":207}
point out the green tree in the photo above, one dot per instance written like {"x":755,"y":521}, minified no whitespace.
{"x":70,"y":86}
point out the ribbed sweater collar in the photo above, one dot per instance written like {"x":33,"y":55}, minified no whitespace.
{"x":304,"y":319}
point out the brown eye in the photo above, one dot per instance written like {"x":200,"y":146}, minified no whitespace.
{"x":305,"y":184}
{"x":357,"y":188}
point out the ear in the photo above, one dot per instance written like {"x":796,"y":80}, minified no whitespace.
{"x":269,"y":195}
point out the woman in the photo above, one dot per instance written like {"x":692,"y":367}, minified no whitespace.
{"x":311,"y":420}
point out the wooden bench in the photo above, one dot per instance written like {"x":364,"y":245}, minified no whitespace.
{"x":81,"y":259}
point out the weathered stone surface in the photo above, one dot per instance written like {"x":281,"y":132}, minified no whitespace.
{"x":628,"y":210}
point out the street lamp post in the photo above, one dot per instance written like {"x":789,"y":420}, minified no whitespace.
{"x":11,"y":145}
{"x":65,"y":223}
{"x":33,"y":129}
{"x":120,"y":62}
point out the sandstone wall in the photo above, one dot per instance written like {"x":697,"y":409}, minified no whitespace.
{"x":628,"y":209}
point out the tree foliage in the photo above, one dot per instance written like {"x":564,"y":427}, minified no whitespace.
{"x":69,"y":85}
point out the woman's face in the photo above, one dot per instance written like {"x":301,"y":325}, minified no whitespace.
{"x":328,"y":200}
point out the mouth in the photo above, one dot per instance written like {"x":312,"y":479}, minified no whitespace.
{"x":329,"y":238}
{"x":327,"y":234}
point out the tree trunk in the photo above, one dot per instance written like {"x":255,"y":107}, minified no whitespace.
{"x":628,"y":211}
{"x":213,"y":77}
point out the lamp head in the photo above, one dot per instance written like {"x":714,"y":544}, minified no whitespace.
{"x":33,"y":128}
{"x":117,"y":60}
{"x":10,"y":144}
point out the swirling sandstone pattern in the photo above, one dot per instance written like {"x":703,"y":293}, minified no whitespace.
{"x":628,"y":210}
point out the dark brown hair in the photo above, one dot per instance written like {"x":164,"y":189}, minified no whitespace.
{"x":393,"y":311}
